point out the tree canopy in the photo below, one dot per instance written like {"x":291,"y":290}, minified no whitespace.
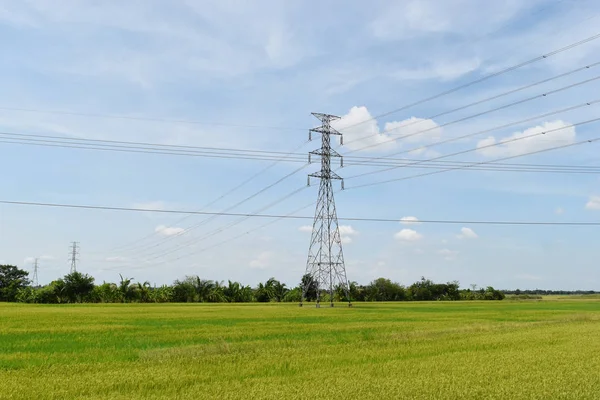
{"x":12,"y":279}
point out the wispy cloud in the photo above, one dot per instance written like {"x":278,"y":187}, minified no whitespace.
{"x":408,"y":235}
{"x":169,"y":230}
{"x":467,"y":233}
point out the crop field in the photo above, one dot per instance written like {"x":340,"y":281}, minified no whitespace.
{"x":442,"y":350}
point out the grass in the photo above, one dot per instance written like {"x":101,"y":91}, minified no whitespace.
{"x":442,"y":350}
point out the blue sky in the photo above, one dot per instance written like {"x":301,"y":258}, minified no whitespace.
{"x":271,"y":64}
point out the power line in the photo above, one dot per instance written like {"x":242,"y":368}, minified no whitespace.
{"x":492,"y":168}
{"x":491,"y":161}
{"x":296,"y":217}
{"x":482,"y":79}
{"x":300,"y":158}
{"x":250,"y":155}
{"x":149,"y":119}
{"x":35,"y":142}
{"x":471,"y":135}
{"x":502,"y":107}
{"x":207,"y":151}
{"x":147,"y":145}
{"x":453,"y":139}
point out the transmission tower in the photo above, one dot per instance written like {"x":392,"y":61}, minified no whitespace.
{"x":74,"y":253}
{"x":35,"y":273}
{"x":325,"y":262}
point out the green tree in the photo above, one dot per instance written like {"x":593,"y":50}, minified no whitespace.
{"x":11,"y":280}
{"x":106,"y":293}
{"x":126,"y":289}
{"x":26,"y":295}
{"x":452,"y":291}
{"x":293,"y":295}
{"x":217,"y":293}
{"x":78,"y":286}
{"x":143,"y":292}
{"x":279,"y":290}
{"x":421,"y":290}
{"x":383,"y":289}
{"x":184,"y":291}
{"x":163,"y":294}
{"x":206,"y":290}
{"x":236,"y":293}
{"x":493,"y":294}
{"x":55,"y":292}
{"x":266,"y":292}
{"x":309,"y":286}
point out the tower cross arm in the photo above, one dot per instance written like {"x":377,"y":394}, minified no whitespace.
{"x":329,"y":153}
{"x":325,"y":130}
{"x":321,"y":175}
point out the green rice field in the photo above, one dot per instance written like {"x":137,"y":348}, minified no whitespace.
{"x":547,"y":349}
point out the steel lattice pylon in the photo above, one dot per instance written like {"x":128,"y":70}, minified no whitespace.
{"x":325,"y":262}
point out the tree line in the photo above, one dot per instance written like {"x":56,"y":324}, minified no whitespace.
{"x":78,"y":287}
{"x":542,"y":292}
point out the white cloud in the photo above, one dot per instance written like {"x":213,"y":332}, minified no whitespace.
{"x":422,"y":130}
{"x":408,"y":235}
{"x":176,"y":47}
{"x":490,"y":147}
{"x":347,"y":230}
{"x":467,"y":233}
{"x":593,"y":203}
{"x":346,"y":233}
{"x":559,"y":211}
{"x":448,"y":254}
{"x":168,"y":231}
{"x":409,"y":220}
{"x":29,"y":260}
{"x":262,"y":261}
{"x":305,"y":228}
{"x":360,"y":130}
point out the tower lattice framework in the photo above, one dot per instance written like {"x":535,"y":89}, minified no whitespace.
{"x":325,"y":262}
{"x":35,"y":273}
{"x":74,"y":253}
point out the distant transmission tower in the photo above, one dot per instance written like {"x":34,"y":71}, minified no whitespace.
{"x":74,"y":253}
{"x":35,"y":273}
{"x":325,"y":256}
